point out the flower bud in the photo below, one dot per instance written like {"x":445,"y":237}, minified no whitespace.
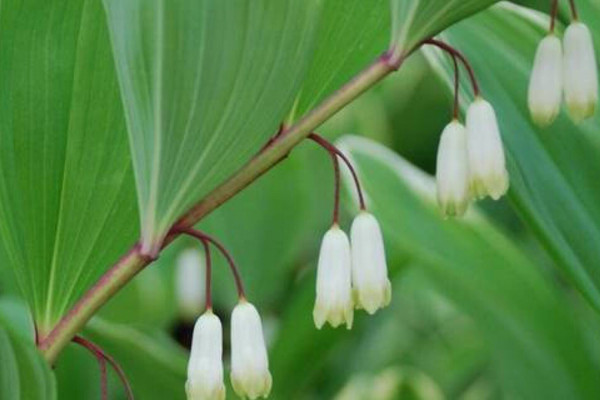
{"x":190,"y":284}
{"x":334,"y":281}
{"x":580,"y":74}
{"x":250,"y":374}
{"x":371,"y":286}
{"x":452,"y":170}
{"x":545,"y":85}
{"x":205,"y":367}
{"x":487,"y":166}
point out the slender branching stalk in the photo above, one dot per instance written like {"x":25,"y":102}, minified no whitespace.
{"x":133,"y":262}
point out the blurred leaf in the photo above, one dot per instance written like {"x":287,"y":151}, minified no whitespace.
{"x":537,"y":348}
{"x":200,"y":97}
{"x":416,"y":20}
{"x":554,"y":179}
{"x":66,"y":195}
{"x":24,"y":374}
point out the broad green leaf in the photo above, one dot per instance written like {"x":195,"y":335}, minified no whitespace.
{"x":204,"y":85}
{"x":416,"y":20}
{"x":24,"y":374}
{"x":67,"y":202}
{"x":538,"y":349}
{"x":554,"y":178}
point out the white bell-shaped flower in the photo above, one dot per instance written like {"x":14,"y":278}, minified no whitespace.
{"x":190,"y":284}
{"x":452,"y":170}
{"x":580,"y":72}
{"x":487,"y":165}
{"x":205,"y":367}
{"x":250,"y":374}
{"x":371,"y":286}
{"x":546,"y":82}
{"x":334,"y":281}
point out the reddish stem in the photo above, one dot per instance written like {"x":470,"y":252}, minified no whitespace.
{"x":553,"y":14}
{"x":456,"y":87}
{"x":102,"y":359}
{"x":208,"y":274}
{"x":206,"y":238}
{"x":449,"y":49}
{"x":335,"y":151}
{"x":573,"y":10}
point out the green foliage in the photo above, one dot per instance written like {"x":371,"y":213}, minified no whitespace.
{"x":67,"y":200}
{"x":24,"y":374}
{"x":415,"y":20}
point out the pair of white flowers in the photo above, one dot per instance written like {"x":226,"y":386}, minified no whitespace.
{"x":573,"y":72}
{"x":351,"y":273}
{"x":471,"y":161}
{"x":250,"y":374}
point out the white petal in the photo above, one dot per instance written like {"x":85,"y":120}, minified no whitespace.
{"x":580,"y":72}
{"x":487,"y":166}
{"x":545,"y":85}
{"x":372,"y":288}
{"x":190,"y":284}
{"x":205,"y":367}
{"x":452,"y":171}
{"x":250,"y":374}
{"x":334,"y":281}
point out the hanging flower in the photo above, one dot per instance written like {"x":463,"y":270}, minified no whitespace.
{"x":371,"y":286}
{"x":334,"y":281}
{"x":452,"y":171}
{"x":205,"y":367}
{"x":580,"y":75}
{"x":250,"y":374}
{"x":488,"y":175}
{"x":546,"y":83}
{"x":190,"y":284}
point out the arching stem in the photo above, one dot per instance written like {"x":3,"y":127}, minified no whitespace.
{"x":102,"y":359}
{"x":446,"y":47}
{"x":334,"y":151}
{"x":204,"y":238}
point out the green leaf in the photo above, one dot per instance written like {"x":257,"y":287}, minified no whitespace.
{"x":24,"y":374}
{"x":204,"y":85}
{"x":416,"y":20}
{"x":351,"y":34}
{"x":537,"y":347}
{"x":67,"y":202}
{"x":554,"y":180}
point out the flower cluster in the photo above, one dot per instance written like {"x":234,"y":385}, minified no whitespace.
{"x":351,"y":273}
{"x":470,"y":160}
{"x":250,"y":376}
{"x":568,"y":67}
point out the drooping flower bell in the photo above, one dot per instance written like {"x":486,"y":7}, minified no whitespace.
{"x":370,"y":284}
{"x":190,"y":284}
{"x":250,"y":374}
{"x":546,"y":82}
{"x":334,"y":281}
{"x":452,"y":171}
{"x":205,"y":367}
{"x":487,"y":165}
{"x":580,"y":74}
